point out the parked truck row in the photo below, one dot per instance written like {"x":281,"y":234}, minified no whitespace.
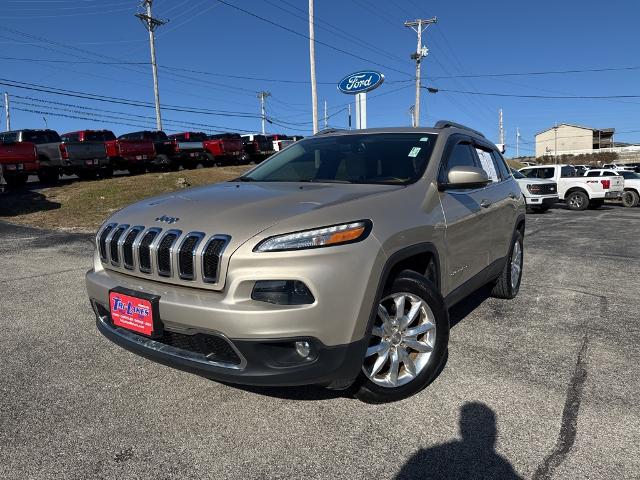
{"x":92,"y":154}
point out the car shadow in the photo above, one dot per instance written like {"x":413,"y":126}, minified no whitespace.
{"x":14,"y":203}
{"x":471,"y":457}
{"x":300,"y":393}
{"x":461,"y":310}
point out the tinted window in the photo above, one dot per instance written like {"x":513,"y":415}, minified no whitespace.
{"x":461,"y":156}
{"x":517,"y":174}
{"x":70,"y":137}
{"x":629,"y":175}
{"x":593,"y":174}
{"x":39,"y":136}
{"x":9,"y":137}
{"x":530,"y":172}
{"x":388,"y":158}
{"x":567,"y":172}
{"x":180,"y":137}
{"x":98,"y":136}
{"x":501,"y":164}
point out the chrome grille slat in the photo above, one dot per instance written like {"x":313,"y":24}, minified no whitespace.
{"x":187,"y":255}
{"x":137,"y":250}
{"x":165,"y":254}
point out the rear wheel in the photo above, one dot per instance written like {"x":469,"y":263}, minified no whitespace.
{"x":630,"y":199}
{"x":48,"y":175}
{"x":106,"y":172}
{"x":408,"y":341}
{"x":16,"y":181}
{"x":577,"y":201}
{"x":508,"y":283}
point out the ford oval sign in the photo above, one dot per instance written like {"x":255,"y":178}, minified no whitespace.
{"x":360,"y":82}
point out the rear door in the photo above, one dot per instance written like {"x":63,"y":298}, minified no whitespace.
{"x":467,"y":234}
{"x":499,"y":199}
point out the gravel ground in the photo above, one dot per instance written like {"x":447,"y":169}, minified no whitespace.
{"x":543,"y":386}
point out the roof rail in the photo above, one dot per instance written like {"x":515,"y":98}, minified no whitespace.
{"x":449,"y":124}
{"x":327,"y":131}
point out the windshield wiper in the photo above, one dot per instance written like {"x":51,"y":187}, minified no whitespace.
{"x":243,"y":178}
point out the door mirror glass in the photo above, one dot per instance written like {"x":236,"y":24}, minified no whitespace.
{"x":466,"y":177}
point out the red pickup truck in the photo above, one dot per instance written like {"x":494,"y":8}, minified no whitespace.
{"x":123,"y":154}
{"x":17,"y":162}
{"x":225,"y":149}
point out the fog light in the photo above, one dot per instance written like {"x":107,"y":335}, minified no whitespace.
{"x":303,"y":349}
{"x":282,"y":292}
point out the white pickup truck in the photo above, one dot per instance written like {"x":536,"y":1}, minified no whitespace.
{"x":631,"y":196}
{"x":578,"y":192}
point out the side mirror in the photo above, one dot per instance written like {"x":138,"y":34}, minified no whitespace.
{"x":466,"y":177}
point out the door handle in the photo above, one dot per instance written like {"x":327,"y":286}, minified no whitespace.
{"x":485,"y":203}
{"x":513,"y":196}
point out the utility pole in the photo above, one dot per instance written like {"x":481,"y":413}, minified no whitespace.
{"x":419,"y":26}
{"x":263,"y":115}
{"x":312,"y":61}
{"x":7,"y":112}
{"x":326,"y":118}
{"x":517,"y":142}
{"x":555,"y":144}
{"x":412,"y":113}
{"x":151,"y":24}
{"x":500,"y":127}
{"x":349,"y":109}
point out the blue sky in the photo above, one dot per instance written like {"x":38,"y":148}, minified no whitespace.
{"x":470,"y":38}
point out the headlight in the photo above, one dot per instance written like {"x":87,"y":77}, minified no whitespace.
{"x":318,"y":237}
{"x":535,"y":189}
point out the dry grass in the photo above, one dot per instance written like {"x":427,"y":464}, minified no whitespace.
{"x":83,"y":206}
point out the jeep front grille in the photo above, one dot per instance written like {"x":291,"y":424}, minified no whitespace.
{"x":164,"y":252}
{"x":193,"y":258}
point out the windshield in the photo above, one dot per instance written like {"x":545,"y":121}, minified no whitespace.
{"x":629,"y":175}
{"x":387,"y":158}
{"x":517,"y":174}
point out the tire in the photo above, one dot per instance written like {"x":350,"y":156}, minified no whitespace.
{"x":16,"y":181}
{"x":87,"y":174}
{"x":106,"y":172}
{"x":136,"y":169}
{"x":577,"y":201}
{"x":595,"y":204}
{"x":507,"y":284}
{"x":416,"y":365}
{"x":48,"y":175}
{"x":630,"y":199}
{"x":208,"y":160}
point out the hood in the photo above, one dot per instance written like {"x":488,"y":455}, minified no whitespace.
{"x":242,"y":210}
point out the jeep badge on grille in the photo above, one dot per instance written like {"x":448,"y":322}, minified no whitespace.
{"x":167,"y":219}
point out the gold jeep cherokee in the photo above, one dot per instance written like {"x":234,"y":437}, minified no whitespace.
{"x":332,"y":263}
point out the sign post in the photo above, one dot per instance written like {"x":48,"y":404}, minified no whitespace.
{"x":358,"y":84}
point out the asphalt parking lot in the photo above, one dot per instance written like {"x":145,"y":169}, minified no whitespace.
{"x":543,"y":386}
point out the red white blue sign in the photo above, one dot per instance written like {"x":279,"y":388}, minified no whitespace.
{"x":132,"y":313}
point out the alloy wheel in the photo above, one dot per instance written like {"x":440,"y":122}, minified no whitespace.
{"x":402,"y":342}
{"x":516,"y":264}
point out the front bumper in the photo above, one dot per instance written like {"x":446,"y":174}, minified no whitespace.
{"x":266,"y":362}
{"x":540,"y":201}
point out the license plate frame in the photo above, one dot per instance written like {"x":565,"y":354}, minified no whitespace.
{"x":127,"y":310}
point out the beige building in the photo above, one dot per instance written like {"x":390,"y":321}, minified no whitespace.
{"x":566,"y":138}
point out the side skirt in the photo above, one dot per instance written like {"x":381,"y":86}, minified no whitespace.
{"x":479,"y":280}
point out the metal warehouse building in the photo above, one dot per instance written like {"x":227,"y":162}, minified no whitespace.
{"x":566,"y":138}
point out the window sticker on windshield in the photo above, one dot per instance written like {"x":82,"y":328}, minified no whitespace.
{"x":424,"y":139}
{"x":414,"y":151}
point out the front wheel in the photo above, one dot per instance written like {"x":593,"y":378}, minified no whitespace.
{"x":408,"y":342}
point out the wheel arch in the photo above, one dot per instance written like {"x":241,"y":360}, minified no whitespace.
{"x":576,"y":189}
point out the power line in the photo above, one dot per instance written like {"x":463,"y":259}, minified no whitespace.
{"x":295,"y":32}
{"x":551,"y":97}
